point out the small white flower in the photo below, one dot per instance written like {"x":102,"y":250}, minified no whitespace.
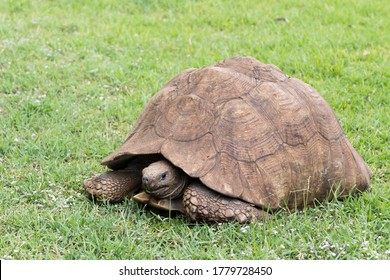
{"x":324,"y":245}
{"x":365,"y":245}
{"x":244,"y":229}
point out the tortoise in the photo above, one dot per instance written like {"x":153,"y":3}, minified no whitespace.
{"x":233,"y":141}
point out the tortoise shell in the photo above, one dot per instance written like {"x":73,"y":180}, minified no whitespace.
{"x":248,"y":131}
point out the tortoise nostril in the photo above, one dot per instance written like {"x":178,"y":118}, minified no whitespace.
{"x":145,"y":180}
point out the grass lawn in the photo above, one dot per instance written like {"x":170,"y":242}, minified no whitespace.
{"x":74,"y":76}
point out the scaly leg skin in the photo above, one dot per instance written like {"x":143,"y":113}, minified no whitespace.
{"x":203,"y":204}
{"x":114,"y":186}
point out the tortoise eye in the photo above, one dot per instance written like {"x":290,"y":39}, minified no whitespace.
{"x":163,"y":176}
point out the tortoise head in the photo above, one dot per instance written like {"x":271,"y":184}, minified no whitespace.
{"x":161,"y":179}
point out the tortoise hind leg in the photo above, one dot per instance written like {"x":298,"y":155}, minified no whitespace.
{"x":203,"y":204}
{"x":114,"y":186}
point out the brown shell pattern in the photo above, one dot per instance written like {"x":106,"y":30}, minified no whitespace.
{"x":248,"y":131}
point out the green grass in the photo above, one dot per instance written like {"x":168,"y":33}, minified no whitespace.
{"x":74,"y":76}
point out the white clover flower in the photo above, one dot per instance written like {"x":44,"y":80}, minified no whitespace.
{"x":244,"y":229}
{"x":365,"y":244}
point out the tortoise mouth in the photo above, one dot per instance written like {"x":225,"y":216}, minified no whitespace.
{"x":165,"y":191}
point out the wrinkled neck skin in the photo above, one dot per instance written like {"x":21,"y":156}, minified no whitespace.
{"x":163,"y":180}
{"x":178,"y":188}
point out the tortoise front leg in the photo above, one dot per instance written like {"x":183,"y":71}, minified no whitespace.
{"x":203,"y":204}
{"x":114,"y":186}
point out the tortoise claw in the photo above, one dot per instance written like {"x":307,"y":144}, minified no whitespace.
{"x":162,"y":204}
